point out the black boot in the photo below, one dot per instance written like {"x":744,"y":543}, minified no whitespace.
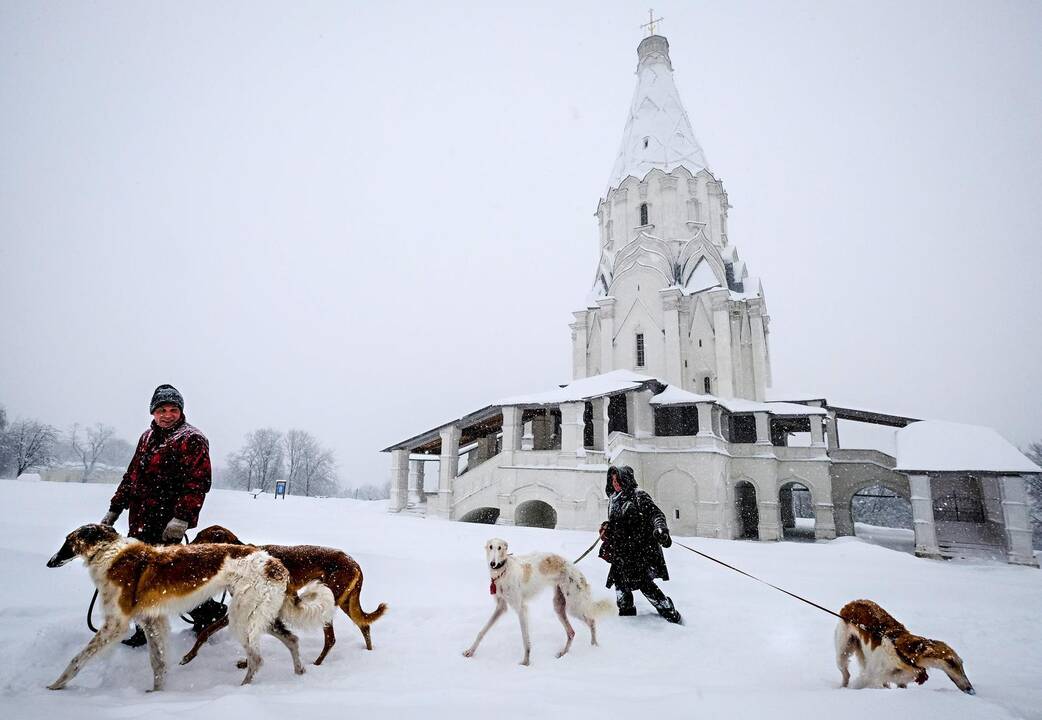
{"x":137,"y":639}
{"x":207,"y":614}
{"x":667,"y":610}
{"x":624,"y":599}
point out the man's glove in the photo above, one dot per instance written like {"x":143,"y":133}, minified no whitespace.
{"x":603,"y":532}
{"x":110,"y":518}
{"x":174,"y":531}
{"x":662,"y":535}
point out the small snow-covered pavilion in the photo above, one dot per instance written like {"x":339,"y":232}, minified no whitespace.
{"x":671,"y":375}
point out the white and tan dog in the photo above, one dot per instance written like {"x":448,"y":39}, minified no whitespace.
{"x":888,"y":653}
{"x":140,"y":582}
{"x":516,"y":580}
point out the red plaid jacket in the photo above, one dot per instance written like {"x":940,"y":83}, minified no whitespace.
{"x":168,"y":477}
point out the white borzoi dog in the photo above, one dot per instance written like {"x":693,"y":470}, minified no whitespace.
{"x":145,"y":583}
{"x":516,"y":580}
{"x":888,"y":653}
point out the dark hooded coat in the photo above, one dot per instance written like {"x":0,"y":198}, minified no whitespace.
{"x":168,"y":477}
{"x":630,"y":545}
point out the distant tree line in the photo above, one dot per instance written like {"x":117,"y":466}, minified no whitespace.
{"x":267,"y":455}
{"x":296,"y":456}
{"x":27,"y":444}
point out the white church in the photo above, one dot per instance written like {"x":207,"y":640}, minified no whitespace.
{"x":671,"y":368}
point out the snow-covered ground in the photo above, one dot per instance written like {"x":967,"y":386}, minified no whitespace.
{"x":746,"y":651}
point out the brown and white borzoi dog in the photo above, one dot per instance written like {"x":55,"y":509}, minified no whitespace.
{"x":516,"y":580}
{"x":888,"y":653}
{"x":306,"y":563}
{"x":145,"y":583}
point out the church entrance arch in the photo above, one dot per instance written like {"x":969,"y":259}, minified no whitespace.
{"x":797,"y":512}
{"x":677,"y":497}
{"x":883,"y":516}
{"x":747,"y":514}
{"x":535,"y":513}
{"x":482,"y":515}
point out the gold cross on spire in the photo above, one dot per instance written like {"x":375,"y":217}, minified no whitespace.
{"x":650,"y":24}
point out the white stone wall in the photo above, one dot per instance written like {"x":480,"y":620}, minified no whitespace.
{"x":678,"y":203}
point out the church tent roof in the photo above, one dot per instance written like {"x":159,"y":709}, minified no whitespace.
{"x":658,"y":132}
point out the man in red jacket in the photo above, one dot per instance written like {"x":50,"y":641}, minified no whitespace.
{"x":165,"y":486}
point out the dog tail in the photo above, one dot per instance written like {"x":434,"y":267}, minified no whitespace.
{"x":600,"y":608}
{"x":354,"y":608}
{"x":311,"y":607}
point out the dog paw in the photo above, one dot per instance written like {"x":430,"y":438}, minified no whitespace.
{"x":56,"y":686}
{"x":241,"y":664}
{"x":299,"y":671}
{"x":468,"y":653}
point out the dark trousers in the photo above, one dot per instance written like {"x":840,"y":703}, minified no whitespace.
{"x":654,"y":594}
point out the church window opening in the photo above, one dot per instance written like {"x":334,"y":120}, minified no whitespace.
{"x":645,"y":143}
{"x":699,"y":342}
{"x":640,"y":349}
{"x":673,"y":421}
{"x":643,"y":213}
{"x":676,"y":513}
{"x":707,"y":385}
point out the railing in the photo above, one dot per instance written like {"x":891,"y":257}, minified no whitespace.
{"x":856,"y":455}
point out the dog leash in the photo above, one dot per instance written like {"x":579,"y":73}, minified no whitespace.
{"x":588,"y":551}
{"x":90,"y":612}
{"x":742,"y":572}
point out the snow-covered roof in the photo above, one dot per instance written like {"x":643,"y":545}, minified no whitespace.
{"x":954,"y":447}
{"x":583,"y":389}
{"x":673,"y":395}
{"x":658,"y":132}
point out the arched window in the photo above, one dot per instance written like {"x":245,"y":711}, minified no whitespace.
{"x":640,"y":349}
{"x":643,"y":213}
{"x":706,"y":384}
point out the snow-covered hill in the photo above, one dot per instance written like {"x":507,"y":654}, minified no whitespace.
{"x":746,"y":651}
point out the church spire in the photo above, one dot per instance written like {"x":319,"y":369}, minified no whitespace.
{"x":658,"y":133}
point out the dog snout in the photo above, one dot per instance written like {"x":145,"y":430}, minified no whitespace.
{"x":56,"y":561}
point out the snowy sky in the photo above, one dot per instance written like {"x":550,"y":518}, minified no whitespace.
{"x":324,"y":215}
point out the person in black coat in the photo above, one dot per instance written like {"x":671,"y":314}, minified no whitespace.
{"x":632,"y":537}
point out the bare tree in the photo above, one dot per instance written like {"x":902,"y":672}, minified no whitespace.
{"x":312,"y":468}
{"x":89,"y":450}
{"x":259,"y":463}
{"x":1034,"y":485}
{"x":117,"y":453}
{"x":32,"y":443}
{"x":5,"y":445}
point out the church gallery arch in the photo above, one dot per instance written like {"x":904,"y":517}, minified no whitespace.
{"x":535,"y":513}
{"x":677,"y":497}
{"x":796,"y":506}
{"x":883,"y":516}
{"x":482,"y":516}
{"x":747,"y":514}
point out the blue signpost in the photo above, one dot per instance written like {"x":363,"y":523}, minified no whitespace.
{"x":280,"y":489}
